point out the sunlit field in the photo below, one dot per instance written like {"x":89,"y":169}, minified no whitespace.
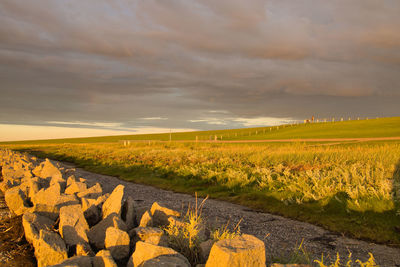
{"x":351,"y":188}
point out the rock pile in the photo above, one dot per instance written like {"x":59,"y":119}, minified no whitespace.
{"x":72,"y":222}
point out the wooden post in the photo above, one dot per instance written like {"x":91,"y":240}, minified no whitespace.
{"x":215,"y":138}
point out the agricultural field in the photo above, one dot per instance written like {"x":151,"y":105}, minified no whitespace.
{"x":349,"y":187}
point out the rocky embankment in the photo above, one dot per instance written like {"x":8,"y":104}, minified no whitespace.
{"x":70,"y":221}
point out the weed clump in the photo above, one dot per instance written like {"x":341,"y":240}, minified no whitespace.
{"x":184,"y":235}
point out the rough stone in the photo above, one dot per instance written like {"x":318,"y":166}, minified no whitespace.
{"x":92,"y":192}
{"x":71,"y":179}
{"x":129,"y":213}
{"x":160,"y":214}
{"x":245,"y":250}
{"x":113,"y":204}
{"x":84,"y":249}
{"x":92,"y":215}
{"x":48,"y":201}
{"x":49,"y":170}
{"x":73,"y":226}
{"x":150,"y":235}
{"x":75,"y":187}
{"x":87,"y":203}
{"x":50,"y":249}
{"x":166,"y":261}
{"x":117,"y":242}
{"x":146,"y":220}
{"x":33,"y":223}
{"x":78,"y":261}
{"x":34,"y":185}
{"x":16,"y":201}
{"x":146,"y":251}
{"x":97,"y":233}
{"x":104,"y":259}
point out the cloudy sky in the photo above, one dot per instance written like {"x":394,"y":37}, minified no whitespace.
{"x":95,"y":67}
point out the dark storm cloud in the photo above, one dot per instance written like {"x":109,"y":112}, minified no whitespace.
{"x":121,"y":61}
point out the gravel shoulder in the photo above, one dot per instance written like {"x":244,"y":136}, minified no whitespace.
{"x":280,"y":235}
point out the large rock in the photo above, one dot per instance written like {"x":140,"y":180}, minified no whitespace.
{"x":16,"y":201}
{"x":92,"y":209}
{"x":92,"y":215}
{"x":166,"y":261}
{"x":73,"y":226}
{"x":34,"y":186}
{"x":245,"y":250}
{"x":93,"y":192}
{"x":104,"y":259}
{"x":113,"y":204}
{"x":146,"y":220}
{"x":117,"y":242}
{"x":33,"y":223}
{"x":97,"y":233}
{"x":75,"y":187}
{"x":47,"y":202}
{"x":146,"y":251}
{"x":50,"y":249}
{"x":48,"y":170}
{"x":160,"y":214}
{"x":150,"y":235}
{"x":77,"y":261}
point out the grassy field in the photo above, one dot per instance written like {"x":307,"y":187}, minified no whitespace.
{"x":348,"y":188}
{"x":384,"y":127}
{"x":351,"y":188}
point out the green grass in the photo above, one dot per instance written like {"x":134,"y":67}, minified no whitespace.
{"x":349,"y":188}
{"x":384,"y":127}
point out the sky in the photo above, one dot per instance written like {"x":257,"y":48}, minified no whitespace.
{"x":102,"y":67}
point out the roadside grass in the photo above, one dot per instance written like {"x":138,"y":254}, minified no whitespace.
{"x":352,"y":189}
{"x":383,"y":127}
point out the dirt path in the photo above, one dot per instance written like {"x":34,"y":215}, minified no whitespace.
{"x":281,"y":235}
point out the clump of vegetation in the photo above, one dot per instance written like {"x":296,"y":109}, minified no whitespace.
{"x":299,"y":255}
{"x":369,"y":263}
{"x":184,"y":235}
{"x":224,"y":233}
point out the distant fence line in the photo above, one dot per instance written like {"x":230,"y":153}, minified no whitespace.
{"x":247,"y":132}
